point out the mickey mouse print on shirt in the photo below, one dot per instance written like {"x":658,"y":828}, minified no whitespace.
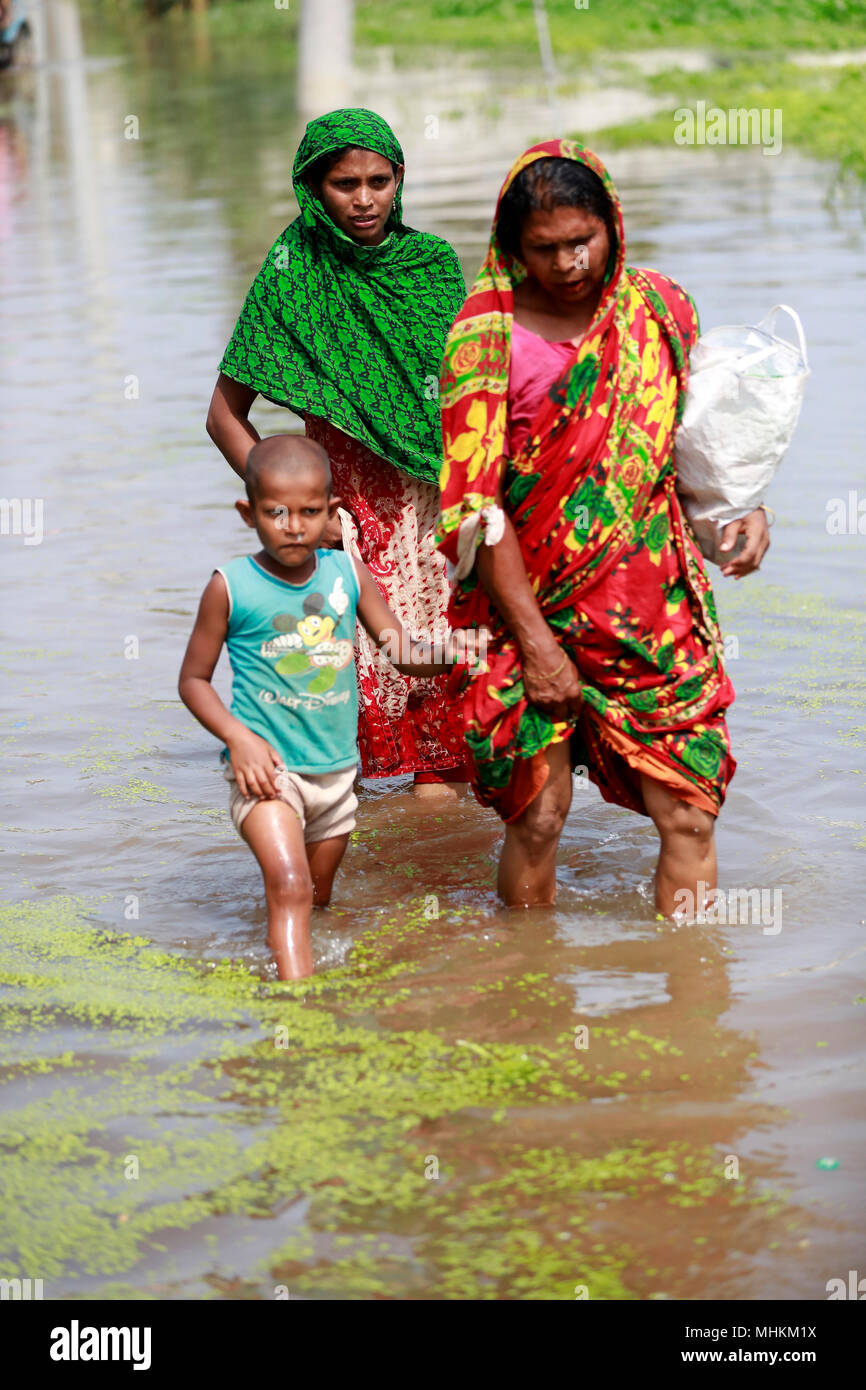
{"x":308,"y":644}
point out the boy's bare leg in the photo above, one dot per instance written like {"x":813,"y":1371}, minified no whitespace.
{"x":688,"y":849}
{"x":324,"y":858}
{"x":527,"y":867}
{"x":274,"y":834}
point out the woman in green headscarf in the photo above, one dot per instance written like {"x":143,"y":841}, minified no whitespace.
{"x":345,"y":324}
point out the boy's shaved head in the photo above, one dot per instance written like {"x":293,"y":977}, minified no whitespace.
{"x":288,"y":455}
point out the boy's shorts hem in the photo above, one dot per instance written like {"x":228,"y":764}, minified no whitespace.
{"x":325,"y":803}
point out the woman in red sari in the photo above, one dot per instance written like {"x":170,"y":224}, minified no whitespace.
{"x":563,"y":381}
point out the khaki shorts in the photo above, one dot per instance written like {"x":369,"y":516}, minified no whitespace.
{"x":325,"y":803}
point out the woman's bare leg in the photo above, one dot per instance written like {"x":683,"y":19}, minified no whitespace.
{"x":449,"y":787}
{"x":527,"y":867}
{"x":687,"y":857}
{"x":274,"y":834}
{"x":439,"y":791}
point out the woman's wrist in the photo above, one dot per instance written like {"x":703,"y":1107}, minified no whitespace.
{"x":554,"y":671}
{"x":538,"y":645}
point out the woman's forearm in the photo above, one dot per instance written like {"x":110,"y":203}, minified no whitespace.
{"x":503,"y":573}
{"x":228,"y":424}
{"x":234,"y":439}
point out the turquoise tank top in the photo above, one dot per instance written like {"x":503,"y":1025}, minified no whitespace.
{"x":291,"y":648}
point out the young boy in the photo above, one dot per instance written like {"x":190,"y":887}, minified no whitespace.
{"x":287,"y":615}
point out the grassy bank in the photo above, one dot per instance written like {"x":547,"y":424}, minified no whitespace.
{"x":823,"y":109}
{"x":507,"y":27}
{"x":503,"y":25}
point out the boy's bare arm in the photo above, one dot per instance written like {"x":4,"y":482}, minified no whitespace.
{"x":253,"y":759}
{"x":199,"y":662}
{"x":387,"y":631}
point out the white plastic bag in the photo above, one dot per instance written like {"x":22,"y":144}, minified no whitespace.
{"x":745,"y":391}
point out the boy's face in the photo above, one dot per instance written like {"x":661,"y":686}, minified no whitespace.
{"x":289,"y":514}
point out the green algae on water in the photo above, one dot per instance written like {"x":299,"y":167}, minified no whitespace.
{"x":151,"y":1099}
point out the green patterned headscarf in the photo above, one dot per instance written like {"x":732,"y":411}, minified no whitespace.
{"x":352,"y":333}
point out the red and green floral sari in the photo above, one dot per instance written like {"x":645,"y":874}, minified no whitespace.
{"x":615,"y":569}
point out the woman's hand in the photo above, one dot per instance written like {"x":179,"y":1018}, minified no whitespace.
{"x":757,"y":533}
{"x":254,"y":763}
{"x":332,"y":536}
{"x":558,"y":695}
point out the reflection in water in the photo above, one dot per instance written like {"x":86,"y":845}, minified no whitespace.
{"x":13,"y":164}
{"x":433,"y":1122}
{"x":70,"y":124}
{"x":324,"y":56}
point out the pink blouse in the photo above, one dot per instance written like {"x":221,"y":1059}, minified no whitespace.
{"x":535,"y":365}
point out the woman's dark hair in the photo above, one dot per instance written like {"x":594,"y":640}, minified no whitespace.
{"x":325,"y":163}
{"x":547,"y":184}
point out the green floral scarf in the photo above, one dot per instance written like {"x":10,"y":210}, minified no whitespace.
{"x":353,"y":334}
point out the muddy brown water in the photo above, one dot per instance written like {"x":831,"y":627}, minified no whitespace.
{"x":122,"y":266}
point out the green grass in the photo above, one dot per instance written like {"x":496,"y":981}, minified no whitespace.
{"x":508,"y":26}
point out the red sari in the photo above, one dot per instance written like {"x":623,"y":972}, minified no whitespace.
{"x":615,"y":569}
{"x":389,"y":518}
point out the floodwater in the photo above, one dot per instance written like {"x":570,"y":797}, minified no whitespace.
{"x":464,"y":1102}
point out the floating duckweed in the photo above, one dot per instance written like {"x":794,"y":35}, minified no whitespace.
{"x":125,"y":1057}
